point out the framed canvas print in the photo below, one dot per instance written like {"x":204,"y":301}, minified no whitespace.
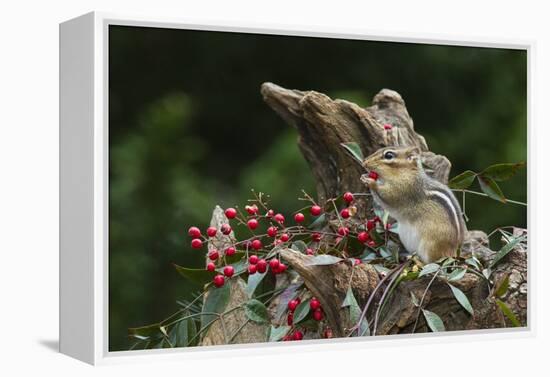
{"x":226,"y":187}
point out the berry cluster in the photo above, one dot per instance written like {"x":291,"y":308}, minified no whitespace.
{"x":334,"y":228}
{"x":269,"y":230}
{"x":317,"y":314}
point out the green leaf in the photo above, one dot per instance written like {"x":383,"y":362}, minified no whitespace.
{"x":144,"y":332}
{"x":502,"y":172}
{"x":434,"y":322}
{"x":256,"y":311}
{"x":197,"y":275}
{"x":456,"y":274}
{"x":463,"y":180}
{"x":355,"y":313}
{"x":323,"y":260}
{"x":180,"y":334}
{"x":216,"y":301}
{"x":301,"y":312}
{"x":414,"y":300}
{"x":278,"y":333}
{"x":462,"y":299}
{"x":506,"y":249}
{"x":253,"y":281}
{"x":299,"y":246}
{"x":502,"y":286}
{"x":381,"y":269}
{"x":319,"y":222}
{"x":474,"y":262}
{"x":508,"y":313}
{"x":354,"y":150}
{"x":266,"y":287}
{"x":490,"y":187}
{"x":428,"y":269}
{"x":348,"y":299}
{"x":235,"y":258}
{"x":447,"y":261}
{"x":192,"y":333}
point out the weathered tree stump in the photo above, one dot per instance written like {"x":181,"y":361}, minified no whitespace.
{"x":323,"y":124}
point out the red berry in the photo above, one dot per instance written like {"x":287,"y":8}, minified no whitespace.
{"x":252,"y":210}
{"x":274,"y":264}
{"x":348,"y":197}
{"x":272,"y":231}
{"x":316,"y":237}
{"x":279,"y":218}
{"x":231,"y":213}
{"x":211,"y":266}
{"x":230,"y":251}
{"x":293,"y":304}
{"x":252,"y":224}
{"x":284,"y":237}
{"x":315,"y":210}
{"x":211,"y":231}
{"x":253,"y":259}
{"x":226,"y":229}
{"x":270,"y":214}
{"x":318,"y":315}
{"x":363,"y":237}
{"x":299,"y":217}
{"x":314,"y":304}
{"x":387,"y":126}
{"x":309,"y":251}
{"x":219,"y":280}
{"x":196,"y":243}
{"x":345,"y":213}
{"x":252,"y":269}
{"x":371,"y":243}
{"x":373,"y":175}
{"x":371,"y":224}
{"x":343,"y":231}
{"x":298,"y":335}
{"x":357,"y":261}
{"x":213,"y":255}
{"x":194,"y":232}
{"x":377,"y":219}
{"x":256,"y":244}
{"x":388,"y":226}
{"x":328,"y":333}
{"x":290,"y":319}
{"x":228,"y":271}
{"x":261,"y":265}
{"x":282,"y":267}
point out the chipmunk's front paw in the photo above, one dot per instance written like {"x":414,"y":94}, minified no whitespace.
{"x":367,"y":181}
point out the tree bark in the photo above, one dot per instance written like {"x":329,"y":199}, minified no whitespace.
{"x":323,"y":124}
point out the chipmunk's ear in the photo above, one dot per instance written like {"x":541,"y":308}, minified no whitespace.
{"x":413,"y":154}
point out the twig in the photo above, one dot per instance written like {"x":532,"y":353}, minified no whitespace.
{"x":482,"y":194}
{"x":371,"y":297}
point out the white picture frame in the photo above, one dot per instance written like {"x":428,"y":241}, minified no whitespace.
{"x":84,"y":189}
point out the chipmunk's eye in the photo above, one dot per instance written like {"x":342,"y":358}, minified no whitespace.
{"x":389,"y":155}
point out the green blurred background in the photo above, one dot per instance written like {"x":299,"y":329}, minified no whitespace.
{"x":188,"y":130}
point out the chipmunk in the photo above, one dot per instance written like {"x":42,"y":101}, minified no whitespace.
{"x":429,"y":216}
